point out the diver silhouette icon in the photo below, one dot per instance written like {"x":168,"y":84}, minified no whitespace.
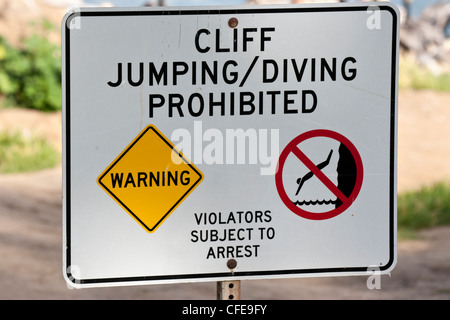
{"x":309,"y":175}
{"x":320,"y":173}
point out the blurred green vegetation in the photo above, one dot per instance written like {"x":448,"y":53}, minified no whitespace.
{"x":424,"y":208}
{"x":429,"y":206}
{"x":413,"y":76}
{"x":24,"y":154}
{"x":30,"y":76}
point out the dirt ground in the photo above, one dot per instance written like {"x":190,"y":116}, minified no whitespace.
{"x":31,"y":225}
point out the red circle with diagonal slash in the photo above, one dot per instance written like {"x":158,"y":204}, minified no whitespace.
{"x":292,"y":148}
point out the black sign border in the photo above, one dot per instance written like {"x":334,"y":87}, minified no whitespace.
{"x":235,"y":11}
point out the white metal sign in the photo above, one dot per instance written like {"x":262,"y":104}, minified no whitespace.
{"x":221,"y":143}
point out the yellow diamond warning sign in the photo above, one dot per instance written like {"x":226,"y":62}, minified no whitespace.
{"x":150,"y":178}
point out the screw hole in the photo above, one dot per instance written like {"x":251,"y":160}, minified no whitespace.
{"x":230,"y":285}
{"x":230,"y":297}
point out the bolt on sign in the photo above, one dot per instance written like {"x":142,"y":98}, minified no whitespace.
{"x":229,"y":143}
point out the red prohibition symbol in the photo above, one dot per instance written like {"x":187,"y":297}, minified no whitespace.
{"x":344,"y":196}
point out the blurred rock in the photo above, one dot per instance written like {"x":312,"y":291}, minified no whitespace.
{"x":425,"y":37}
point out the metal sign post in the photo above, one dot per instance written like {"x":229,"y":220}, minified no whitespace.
{"x":229,"y":290}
